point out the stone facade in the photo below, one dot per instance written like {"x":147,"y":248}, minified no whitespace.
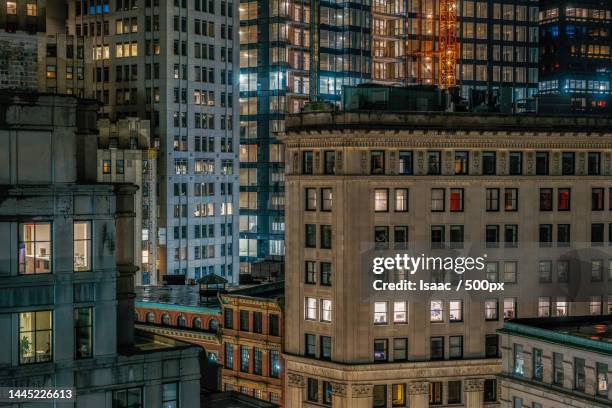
{"x":441,"y":348}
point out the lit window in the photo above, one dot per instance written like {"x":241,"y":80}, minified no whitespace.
{"x":35,"y":337}
{"x":11,"y":7}
{"x":106,"y":166}
{"x":31,"y":10}
{"x":399,"y":312}
{"x":51,"y":71}
{"x":82,"y":246}
{"x":455,"y":312}
{"x":491,"y":309}
{"x":170,"y":395}
{"x":436,"y":309}
{"x":326,"y":310}
{"x":311,"y":308}
{"x":380,"y":312}
{"x":519,"y":362}
{"x":381,"y":200}
{"x":35,"y":248}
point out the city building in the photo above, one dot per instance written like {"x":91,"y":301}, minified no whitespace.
{"x":575,"y":58}
{"x":67,"y":266}
{"x":252,"y":336}
{"x":125,"y":156}
{"x":295,"y":51}
{"x":529,"y":193}
{"x":556,"y":362}
{"x":174,"y":63}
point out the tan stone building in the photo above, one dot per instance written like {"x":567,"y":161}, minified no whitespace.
{"x":530,"y":193}
{"x":552,"y":363}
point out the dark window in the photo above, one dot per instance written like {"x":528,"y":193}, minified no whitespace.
{"x":456,"y":236}
{"x":311,"y":199}
{"x":462,"y":163}
{"x":545,"y":235}
{"x":564,"y":198}
{"x":541,"y":163}
{"x":405,"y":163}
{"x":244,"y":359}
{"x":377,"y":162}
{"x":490,"y":390}
{"x":557,"y":369}
{"x":545,"y":271}
{"x":229,"y":356}
{"x":434,"y":163}
{"x":546,"y":202}
{"x":492,"y":199}
{"x":273,"y":328}
{"x":330,"y":162}
{"x":537,"y":365}
{"x":597,"y":234}
{"x":594,"y":166}
{"x":380,"y":350}
{"x":400,"y":349}
{"x":326,"y":348}
{"x":257,"y":361}
{"x":488,"y":163}
{"x":311,"y":236}
{"x":326,"y":199}
{"x":492,"y":236}
{"x":491,"y":346}
{"x":244,"y":320}
{"x":381,"y":237}
{"x":228,"y":318}
{"x":310,"y":272}
{"x":436,"y":348}
{"x":437,"y":236}
{"x":597,"y":199}
{"x":511,"y":235}
{"x":563,"y":234}
{"x":311,"y":345}
{"x":567,"y":163}
{"x":326,"y":273}
{"x":579,"y":374}
{"x":313,"y":390}
{"x":400,"y":237}
{"x":516,"y":163}
{"x":307,"y":163}
{"x":456,"y":199}
{"x":379,"y":396}
{"x":454,"y":392}
{"x":257,"y":322}
{"x":326,"y":237}
{"x":327,"y":393}
{"x":455,"y":347}
{"x":83,"y":332}
{"x":274,"y":364}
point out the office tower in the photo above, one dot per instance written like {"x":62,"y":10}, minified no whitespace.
{"x":575,"y":62}
{"x":66,"y":268}
{"x":173,"y":63}
{"x":125,"y":156}
{"x":293,"y":51}
{"x":529,"y":194}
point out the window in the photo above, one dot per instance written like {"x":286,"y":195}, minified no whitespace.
{"x":380,"y":312}
{"x":379,"y":396}
{"x":398,"y":395}
{"x":326,"y":310}
{"x":511,"y":199}
{"x":381,"y":200}
{"x":434,"y":163}
{"x":563,"y":270}
{"x":579,"y":374}
{"x":273,"y":326}
{"x":516,"y":163}
{"x":491,"y":312}
{"x":492,"y":236}
{"x":563,"y":199}
{"x":563,"y":235}
{"x":326,"y":199}
{"x":602,"y":379}
{"x":456,"y":199}
{"x":257,"y":322}
{"x":127,"y":398}
{"x":326,"y":348}
{"x":545,"y":271}
{"x":462,"y":163}
{"x":509,"y":308}
{"x":511,"y":236}
{"x":492,"y":199}
{"x":436,"y":311}
{"x":311,"y":236}
{"x":400,"y":349}
{"x":405,"y":163}
{"x":310,"y":272}
{"x":11,"y":7}
{"x":313,"y":390}
{"x":311,"y":199}
{"x":401,"y":199}
{"x":455,"y":310}
{"x":400,"y":237}
{"x":597,"y":199}
{"x":228,"y":318}
{"x":381,"y":237}
{"x":541,"y":163}
{"x":545,"y":235}
{"x":377,"y":162}
{"x":537,"y":365}
{"x":561,"y":306}
{"x":491,"y":346}
{"x":35,"y":248}
{"x":567,"y":164}
{"x":597,"y":234}
{"x":257,"y":362}
{"x":454,"y":392}
{"x":596,"y":270}
{"x":311,"y":308}
{"x":83,"y":326}
{"x":274,"y":364}
{"x":435,"y":393}
{"x":82,"y":246}
{"x":510,"y":268}
{"x":244,"y":320}
{"x":491,"y":271}
{"x":543,"y":307}
{"x":380,"y":350}
{"x":488,"y":163}
{"x":558,"y":369}
{"x":399,"y":312}
{"x":594,"y":164}
{"x":326,"y":272}
{"x":229,"y":356}
{"x":35,"y":337}
{"x":546,"y":202}
{"x":518,"y":361}
{"x":455,"y":347}
{"x":437,"y":199}
{"x":120,"y":167}
{"x":437,"y":236}
{"x":490,"y":390}
{"x":330,"y":162}
{"x":244,"y":359}
{"x":165,"y":319}
{"x":307,"y":162}
{"x":326,"y":237}
{"x":436,"y":348}
{"x":170,"y":395}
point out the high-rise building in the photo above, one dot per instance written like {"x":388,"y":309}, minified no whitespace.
{"x":174,"y":63}
{"x":527,"y":194}
{"x":293,"y":51}
{"x":575,"y":60}
{"x":67,"y":265}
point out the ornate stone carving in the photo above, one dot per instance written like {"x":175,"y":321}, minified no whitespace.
{"x":530,"y":163}
{"x":338,"y":389}
{"x":503,"y":157}
{"x":296,"y":163}
{"x":317,"y":162}
{"x":420,"y":162}
{"x":607,"y":163}
{"x":418,"y":388}
{"x":364,"y":162}
{"x":476,"y":162}
{"x":296,"y":380}
{"x":449,"y":163}
{"x":581,"y":164}
{"x":339,"y":162}
{"x":473,"y":385}
{"x":362,"y":390}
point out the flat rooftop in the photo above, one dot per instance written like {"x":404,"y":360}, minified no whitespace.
{"x":448,"y":121}
{"x":592,"y":333}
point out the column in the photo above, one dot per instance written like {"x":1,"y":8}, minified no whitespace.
{"x":294,"y":390}
{"x":418,"y":394}
{"x":474,"y":392}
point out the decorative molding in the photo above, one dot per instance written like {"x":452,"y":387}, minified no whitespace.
{"x":362,"y":390}
{"x":338,"y":389}
{"x":473,"y":385}
{"x":296,"y":380}
{"x":418,"y":388}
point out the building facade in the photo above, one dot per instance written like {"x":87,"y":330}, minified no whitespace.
{"x":525,"y":192}
{"x":252,"y":342}
{"x":67,"y":278}
{"x":576,"y":63}
{"x":550,"y":362}
{"x":175,"y":64}
{"x":125,"y":156}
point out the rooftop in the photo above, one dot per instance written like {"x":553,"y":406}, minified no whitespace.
{"x":234,"y":399}
{"x":272,"y":290}
{"x":175,"y":297}
{"x":593,"y":333}
{"x":448,"y":121}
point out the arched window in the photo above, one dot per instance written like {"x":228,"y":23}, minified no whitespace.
{"x":150,"y":317}
{"x":165,"y":320}
{"x":197,"y":323}
{"x":180,"y":321}
{"x":213,"y":325}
